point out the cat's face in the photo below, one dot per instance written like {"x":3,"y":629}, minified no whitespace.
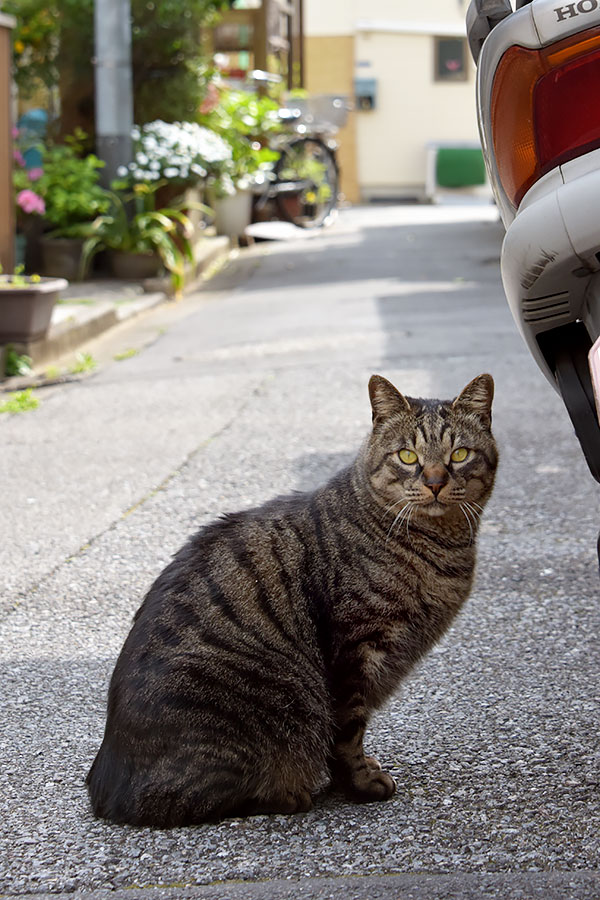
{"x":428,"y":457}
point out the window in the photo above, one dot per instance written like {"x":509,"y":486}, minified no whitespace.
{"x":450,"y":59}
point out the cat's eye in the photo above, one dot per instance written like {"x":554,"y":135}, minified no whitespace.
{"x":459,"y":455}
{"x":409,"y":457}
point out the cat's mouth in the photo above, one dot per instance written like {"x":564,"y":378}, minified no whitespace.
{"x":435,"y":507}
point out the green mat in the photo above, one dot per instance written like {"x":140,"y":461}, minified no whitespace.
{"x":459,"y":167}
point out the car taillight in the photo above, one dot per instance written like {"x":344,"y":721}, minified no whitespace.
{"x":544,"y":109}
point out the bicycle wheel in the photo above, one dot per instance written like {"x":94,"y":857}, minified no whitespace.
{"x":306,"y":183}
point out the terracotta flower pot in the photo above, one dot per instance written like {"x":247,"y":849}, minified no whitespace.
{"x":291,"y":204}
{"x":25,"y":312}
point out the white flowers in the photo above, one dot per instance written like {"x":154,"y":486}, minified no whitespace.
{"x":175,"y":150}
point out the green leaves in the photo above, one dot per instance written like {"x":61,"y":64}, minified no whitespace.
{"x":245,"y":121}
{"x":166,"y":232}
{"x":16,"y":363}
{"x":21,"y":402}
{"x":84,"y":362}
{"x":70,"y":189}
{"x":57,"y":37}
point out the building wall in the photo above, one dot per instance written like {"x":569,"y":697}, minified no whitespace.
{"x":393,"y":42}
{"x":325,"y":18}
{"x":412,"y":110}
{"x":329,"y":69}
{"x":335,"y":17}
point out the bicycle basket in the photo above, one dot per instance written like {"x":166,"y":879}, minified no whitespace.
{"x":322,"y":110}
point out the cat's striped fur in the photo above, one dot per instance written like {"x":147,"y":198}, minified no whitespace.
{"x":259,"y":653}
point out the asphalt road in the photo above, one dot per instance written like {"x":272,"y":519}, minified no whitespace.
{"x":255,"y":386}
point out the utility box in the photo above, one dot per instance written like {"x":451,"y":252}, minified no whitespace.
{"x":459,"y":167}
{"x":455,"y":167}
{"x":365,"y":93}
{"x":7,"y":209}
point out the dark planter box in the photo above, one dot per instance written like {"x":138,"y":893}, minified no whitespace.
{"x":134,"y":266}
{"x":25,"y":312}
{"x":61,"y":257}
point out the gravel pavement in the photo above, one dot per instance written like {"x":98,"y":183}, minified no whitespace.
{"x":258,"y":386}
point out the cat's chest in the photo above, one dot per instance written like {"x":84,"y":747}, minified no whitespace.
{"x":422,"y":585}
{"x":404,"y":612}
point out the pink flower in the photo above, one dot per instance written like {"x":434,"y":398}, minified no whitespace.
{"x":34,"y":174}
{"x":15,"y":132}
{"x":30,"y":202}
{"x":18,"y":158}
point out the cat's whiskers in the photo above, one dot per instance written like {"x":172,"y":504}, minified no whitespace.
{"x":407,"y":512}
{"x":398,"y":517}
{"x":475,"y":512}
{"x":392,"y":505}
{"x":404,"y":514}
{"x":412,"y":509}
{"x":412,"y":506}
{"x":464,"y":512}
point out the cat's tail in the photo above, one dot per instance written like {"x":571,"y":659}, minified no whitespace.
{"x":127,"y":792}
{"x":109,"y":783}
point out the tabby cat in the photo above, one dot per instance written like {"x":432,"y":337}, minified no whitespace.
{"x":260,"y":652}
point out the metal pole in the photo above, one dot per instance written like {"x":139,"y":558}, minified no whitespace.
{"x":114,"y":92}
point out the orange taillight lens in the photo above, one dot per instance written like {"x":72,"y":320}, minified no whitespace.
{"x":544,"y":109}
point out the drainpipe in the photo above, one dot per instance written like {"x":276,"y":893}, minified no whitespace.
{"x":114,"y":92}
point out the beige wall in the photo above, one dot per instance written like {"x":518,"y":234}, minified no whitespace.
{"x":393,"y":42}
{"x":329,"y":69}
{"x":412,"y":110}
{"x":337,"y":17}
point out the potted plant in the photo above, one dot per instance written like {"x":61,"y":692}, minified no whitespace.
{"x":177,"y":157}
{"x":244,"y":120}
{"x":73,"y":199}
{"x":139,"y":238}
{"x":26,"y":304}
{"x":176,"y":154}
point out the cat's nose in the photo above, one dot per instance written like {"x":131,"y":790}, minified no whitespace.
{"x":435,"y":477}
{"x":435,"y":486}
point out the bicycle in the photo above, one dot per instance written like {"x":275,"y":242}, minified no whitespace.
{"x":303,"y":185}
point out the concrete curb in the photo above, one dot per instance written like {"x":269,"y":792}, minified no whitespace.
{"x":459,"y":886}
{"x":76,"y":326}
{"x":89,"y":309}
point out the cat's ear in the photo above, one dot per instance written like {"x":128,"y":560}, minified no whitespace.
{"x":477,"y":397}
{"x":385,"y":399}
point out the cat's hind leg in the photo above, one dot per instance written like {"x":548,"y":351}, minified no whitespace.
{"x":289,"y":781}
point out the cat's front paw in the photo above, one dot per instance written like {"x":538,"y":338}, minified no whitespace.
{"x":369,"y":785}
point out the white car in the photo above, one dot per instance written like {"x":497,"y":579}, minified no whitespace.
{"x":539,"y":117}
